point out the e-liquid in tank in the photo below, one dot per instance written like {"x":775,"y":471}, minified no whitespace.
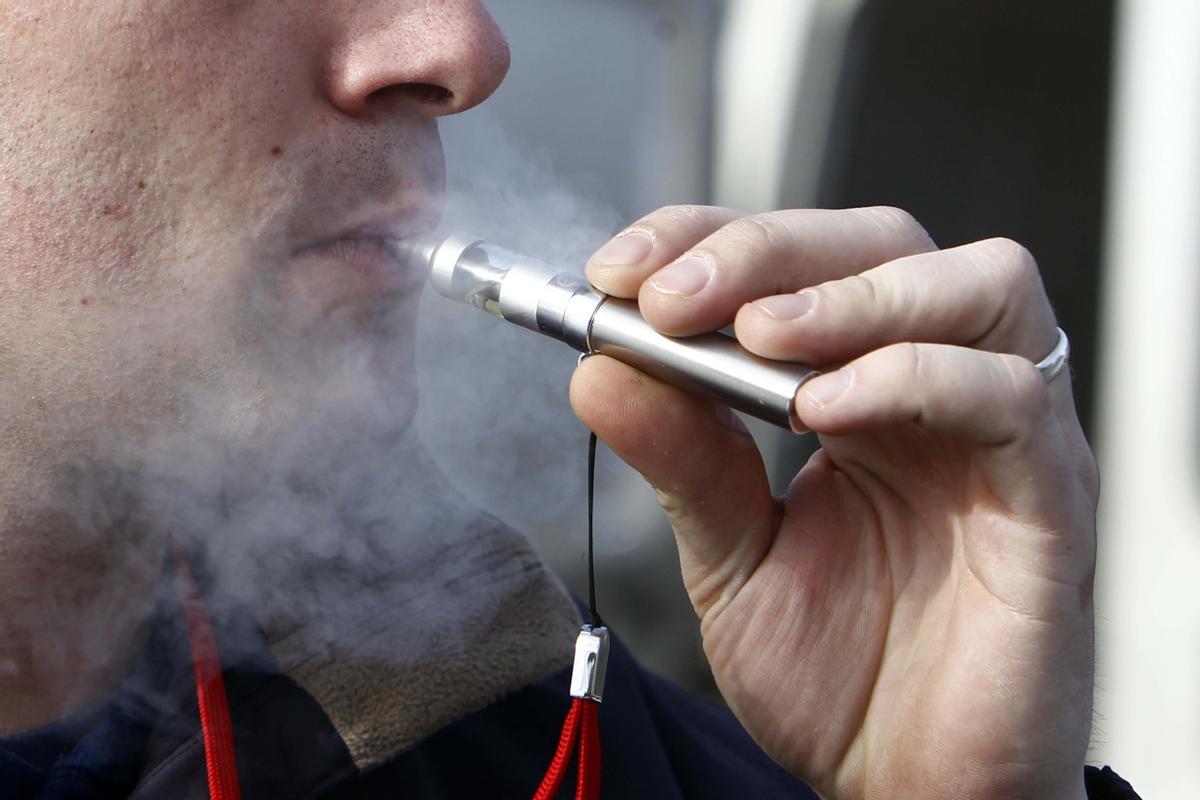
{"x":561,"y":304}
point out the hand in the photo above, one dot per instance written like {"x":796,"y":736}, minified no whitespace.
{"x":914,"y":618}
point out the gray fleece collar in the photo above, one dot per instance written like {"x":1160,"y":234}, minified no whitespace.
{"x":486,"y":620}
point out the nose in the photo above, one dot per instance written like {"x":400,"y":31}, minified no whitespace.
{"x":444,"y":55}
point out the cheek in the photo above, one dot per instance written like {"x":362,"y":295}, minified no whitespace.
{"x":134,"y":198}
{"x":81,"y":194}
{"x":164,"y":127}
{"x":76,"y":193}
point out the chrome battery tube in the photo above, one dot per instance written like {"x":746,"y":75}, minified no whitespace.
{"x":560,"y":304}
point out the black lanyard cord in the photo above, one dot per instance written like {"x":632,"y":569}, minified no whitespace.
{"x":593,"y":614}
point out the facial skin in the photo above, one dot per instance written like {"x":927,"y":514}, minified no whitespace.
{"x":193,"y":200}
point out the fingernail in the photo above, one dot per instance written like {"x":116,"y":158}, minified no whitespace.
{"x":686,"y":277}
{"x":786,"y":306}
{"x":823,"y":390}
{"x":625,"y":250}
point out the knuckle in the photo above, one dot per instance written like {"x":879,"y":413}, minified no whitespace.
{"x":685,"y":216}
{"x":1030,"y":393}
{"x":862,"y":289}
{"x":898,"y":221}
{"x":856,"y":303}
{"x":758,"y":234}
{"x":902,"y":372}
{"x":1016,"y":265}
{"x":675,"y":216}
{"x":686,"y":213}
{"x":915,"y":363}
{"x":1023,"y":319}
{"x":902,"y":364}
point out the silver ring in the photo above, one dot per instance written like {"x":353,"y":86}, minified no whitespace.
{"x":1052,"y":364}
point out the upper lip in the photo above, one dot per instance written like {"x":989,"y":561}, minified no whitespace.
{"x":385,"y":228}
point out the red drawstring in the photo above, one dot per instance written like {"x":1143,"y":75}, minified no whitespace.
{"x":215,"y":723}
{"x":566,"y":743}
{"x":587,"y":785}
{"x":220,"y":761}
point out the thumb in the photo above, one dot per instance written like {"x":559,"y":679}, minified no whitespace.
{"x":702,"y":462}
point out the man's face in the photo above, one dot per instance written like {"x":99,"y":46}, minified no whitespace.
{"x":195,"y":197}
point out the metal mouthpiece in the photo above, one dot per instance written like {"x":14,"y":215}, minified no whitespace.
{"x":562,"y":305}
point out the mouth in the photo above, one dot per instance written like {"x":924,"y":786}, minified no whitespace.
{"x":363,"y":264}
{"x":373,"y":258}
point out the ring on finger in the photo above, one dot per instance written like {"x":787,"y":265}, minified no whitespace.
{"x":1053,"y":363}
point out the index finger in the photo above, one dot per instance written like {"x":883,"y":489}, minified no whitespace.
{"x":621,"y":266}
{"x":699,"y":284}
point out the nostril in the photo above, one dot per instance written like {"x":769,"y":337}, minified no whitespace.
{"x":430,"y":97}
{"x":427,"y":93}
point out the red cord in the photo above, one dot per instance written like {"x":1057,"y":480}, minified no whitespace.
{"x":215,"y":723}
{"x":582,"y":723}
{"x":588,"y":785}
{"x":566,"y":743}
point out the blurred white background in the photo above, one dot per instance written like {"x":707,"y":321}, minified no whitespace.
{"x":1148,"y":603}
{"x":1072,"y":126}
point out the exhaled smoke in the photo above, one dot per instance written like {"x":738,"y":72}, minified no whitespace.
{"x":295,"y":462}
{"x":494,"y":407}
{"x":289,"y":454}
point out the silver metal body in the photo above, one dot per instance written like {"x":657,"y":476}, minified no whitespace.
{"x":591,"y":663}
{"x":561,"y":304}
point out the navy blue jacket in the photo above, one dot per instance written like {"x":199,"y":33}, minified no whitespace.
{"x":657,"y":742}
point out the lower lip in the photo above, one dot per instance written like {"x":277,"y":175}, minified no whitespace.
{"x":369,"y":259}
{"x":351,"y":271}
